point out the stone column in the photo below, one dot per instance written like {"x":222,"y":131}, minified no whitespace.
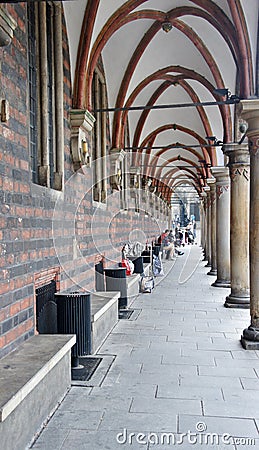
{"x":208,"y":226}
{"x":202,"y":219}
{"x":212,"y":183}
{"x":249,"y":110}
{"x":239,"y":162}
{"x":222,"y":226}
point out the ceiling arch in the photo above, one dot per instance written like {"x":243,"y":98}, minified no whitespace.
{"x":211,"y":44}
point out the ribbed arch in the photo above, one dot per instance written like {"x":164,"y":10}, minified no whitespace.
{"x":206,"y":154}
{"x":158,"y":170}
{"x":164,"y":73}
{"x":155,"y":96}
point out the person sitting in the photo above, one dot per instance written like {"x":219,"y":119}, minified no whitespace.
{"x":167,"y":245}
{"x":172,"y":239}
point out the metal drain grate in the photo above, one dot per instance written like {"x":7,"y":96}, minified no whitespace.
{"x":125,"y":313}
{"x":87,"y":367}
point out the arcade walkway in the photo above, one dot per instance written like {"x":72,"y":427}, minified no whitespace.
{"x":178,"y":368}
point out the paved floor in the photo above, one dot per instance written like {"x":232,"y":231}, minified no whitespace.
{"x":179,"y":376}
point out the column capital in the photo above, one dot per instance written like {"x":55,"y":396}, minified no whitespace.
{"x":249,"y":111}
{"x":211,"y":182}
{"x":238,"y":154}
{"x":221,"y":173}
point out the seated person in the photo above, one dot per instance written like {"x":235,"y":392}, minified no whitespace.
{"x":172,"y":239}
{"x":167,"y":245}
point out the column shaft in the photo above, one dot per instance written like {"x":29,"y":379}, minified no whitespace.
{"x":208,"y":226}
{"x":249,"y":110}
{"x":239,"y":228}
{"x":222,"y":226}
{"x":212,"y":184}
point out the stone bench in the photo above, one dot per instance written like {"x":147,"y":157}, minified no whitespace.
{"x":34,"y":379}
{"x":104,"y":316}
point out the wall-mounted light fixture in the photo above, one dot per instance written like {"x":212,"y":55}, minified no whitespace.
{"x":4,"y":114}
{"x":85,"y":153}
{"x":243,"y":129}
{"x":214,"y":140}
{"x":225,"y":92}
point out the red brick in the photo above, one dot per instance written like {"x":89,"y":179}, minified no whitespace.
{"x":15,"y":308}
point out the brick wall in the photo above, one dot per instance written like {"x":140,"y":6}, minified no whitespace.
{"x":42,"y":232}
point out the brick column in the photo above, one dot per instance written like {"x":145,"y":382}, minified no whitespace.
{"x":212,"y":184}
{"x":249,"y":110}
{"x":222,"y":226}
{"x":239,"y":162}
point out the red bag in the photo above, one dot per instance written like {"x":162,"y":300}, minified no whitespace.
{"x":125,"y":263}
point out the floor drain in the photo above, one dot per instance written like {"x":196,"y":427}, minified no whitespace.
{"x":125,"y":313}
{"x":87,"y":368}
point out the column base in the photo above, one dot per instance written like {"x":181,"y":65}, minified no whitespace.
{"x":208,"y":265}
{"x":233,"y":301}
{"x":221,"y":284}
{"x":212,"y":272}
{"x":250,"y":338}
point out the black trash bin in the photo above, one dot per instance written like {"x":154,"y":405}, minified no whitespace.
{"x":74,"y":317}
{"x":156,"y":249}
{"x":147,"y":256}
{"x":138,"y":263}
{"x":115,"y":279}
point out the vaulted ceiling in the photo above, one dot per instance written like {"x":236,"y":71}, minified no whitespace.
{"x":167,"y":52}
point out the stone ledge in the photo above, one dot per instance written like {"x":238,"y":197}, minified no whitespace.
{"x":101,"y":302}
{"x":104,"y":316}
{"x":24,"y":368}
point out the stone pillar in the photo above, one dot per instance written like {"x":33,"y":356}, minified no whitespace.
{"x":222,"y":226}
{"x":212,"y":184}
{"x":203,"y":221}
{"x":249,"y":110}
{"x":208,"y":227}
{"x":239,"y":162}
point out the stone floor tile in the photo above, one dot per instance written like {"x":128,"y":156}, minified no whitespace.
{"x":170,"y":369}
{"x":132,"y":390}
{"x":190,"y":442}
{"x":97,"y":441}
{"x":245,"y":372}
{"x":76,"y":419}
{"x":250,"y":383}
{"x":51,"y":438}
{"x":174,"y":391}
{"x":220,"y":354}
{"x":244,"y":354}
{"x":164,"y":405}
{"x":97,"y":403}
{"x":207,"y":380}
{"x":196,"y":359}
{"x":138,"y":422}
{"x":220,"y":425}
{"x":233,"y":408}
{"x":242,"y":395}
{"x":237,"y":363}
